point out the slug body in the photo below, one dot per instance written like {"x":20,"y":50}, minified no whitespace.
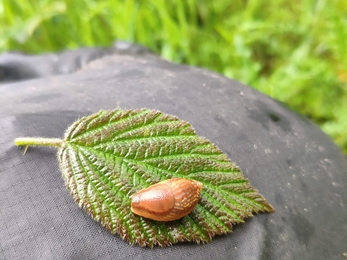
{"x":167,"y":200}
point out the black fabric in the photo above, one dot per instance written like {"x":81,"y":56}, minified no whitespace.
{"x":16,"y":66}
{"x":286,"y":157}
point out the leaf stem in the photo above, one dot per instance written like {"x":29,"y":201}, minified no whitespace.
{"x":36,"y":141}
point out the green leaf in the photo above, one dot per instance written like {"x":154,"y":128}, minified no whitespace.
{"x":108,"y":156}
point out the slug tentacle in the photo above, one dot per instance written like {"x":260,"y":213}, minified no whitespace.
{"x":167,"y":200}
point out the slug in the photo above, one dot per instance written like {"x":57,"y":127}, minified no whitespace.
{"x":167,"y":200}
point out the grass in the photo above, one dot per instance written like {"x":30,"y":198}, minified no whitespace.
{"x":294,"y":51}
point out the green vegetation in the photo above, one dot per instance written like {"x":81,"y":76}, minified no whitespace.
{"x":294,"y":51}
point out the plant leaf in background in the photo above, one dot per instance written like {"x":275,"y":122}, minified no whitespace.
{"x":108,"y":156}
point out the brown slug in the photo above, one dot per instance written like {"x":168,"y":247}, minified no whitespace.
{"x":167,"y":200}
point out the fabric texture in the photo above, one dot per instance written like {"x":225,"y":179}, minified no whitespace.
{"x":294,"y":165}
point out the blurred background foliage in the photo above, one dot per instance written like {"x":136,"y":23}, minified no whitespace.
{"x":294,"y":51}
